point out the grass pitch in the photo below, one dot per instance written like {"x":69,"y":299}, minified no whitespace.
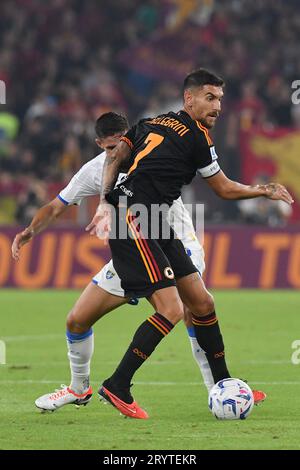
{"x":258,"y":327}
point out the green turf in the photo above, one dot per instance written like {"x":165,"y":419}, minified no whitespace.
{"x":258,"y":327}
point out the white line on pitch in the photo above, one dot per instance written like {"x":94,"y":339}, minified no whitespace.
{"x":152,"y":363}
{"x":28,"y":381}
{"x":13,"y":339}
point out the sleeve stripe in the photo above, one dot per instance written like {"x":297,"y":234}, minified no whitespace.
{"x":63,"y":200}
{"x":205,"y":131}
{"x":128,"y":141}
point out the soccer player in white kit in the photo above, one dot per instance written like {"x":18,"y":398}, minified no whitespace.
{"x":104,"y":293}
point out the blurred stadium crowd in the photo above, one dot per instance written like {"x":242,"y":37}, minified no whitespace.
{"x":65,"y":62}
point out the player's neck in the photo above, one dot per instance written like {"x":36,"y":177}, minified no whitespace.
{"x":194,"y":117}
{"x":190,"y":113}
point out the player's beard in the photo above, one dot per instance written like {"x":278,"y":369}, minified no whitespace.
{"x":208,"y":124}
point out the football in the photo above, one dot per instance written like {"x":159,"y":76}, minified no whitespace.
{"x":231,"y":399}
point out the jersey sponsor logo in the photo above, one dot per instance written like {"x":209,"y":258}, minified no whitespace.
{"x":213,"y":153}
{"x":169,"y":273}
{"x":121,"y":178}
{"x":126,"y":191}
{"x":110,"y":274}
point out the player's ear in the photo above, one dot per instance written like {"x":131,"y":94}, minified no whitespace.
{"x":188,"y":97}
{"x":98,"y":142}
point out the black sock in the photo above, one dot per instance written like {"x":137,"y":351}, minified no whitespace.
{"x":146,"y":338}
{"x":209,"y":337}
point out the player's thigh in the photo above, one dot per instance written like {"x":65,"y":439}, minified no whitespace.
{"x":109,"y":280}
{"x":141,"y":265}
{"x":181,"y":263}
{"x":93,"y":303}
{"x":194,"y":294}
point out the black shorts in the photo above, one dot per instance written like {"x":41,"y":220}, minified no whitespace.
{"x":145,"y":265}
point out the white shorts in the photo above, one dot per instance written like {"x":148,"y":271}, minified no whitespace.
{"x":109,"y":280}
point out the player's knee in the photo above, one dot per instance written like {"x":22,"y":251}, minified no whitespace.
{"x":174,"y":312}
{"x":204,"y":306}
{"x":75,"y":324}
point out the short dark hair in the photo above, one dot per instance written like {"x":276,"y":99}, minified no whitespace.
{"x":109,"y":124}
{"x":202,"y":77}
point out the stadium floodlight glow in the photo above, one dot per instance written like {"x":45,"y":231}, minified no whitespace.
{"x":2,"y":92}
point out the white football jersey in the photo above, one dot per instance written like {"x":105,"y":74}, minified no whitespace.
{"x":180,"y":220}
{"x":86,"y":182}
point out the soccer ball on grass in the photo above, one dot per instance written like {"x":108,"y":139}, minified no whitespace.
{"x":231,"y":399}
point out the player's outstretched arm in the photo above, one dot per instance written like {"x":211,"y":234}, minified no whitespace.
{"x":44,"y":216}
{"x":110,"y":173}
{"x":228,"y":189}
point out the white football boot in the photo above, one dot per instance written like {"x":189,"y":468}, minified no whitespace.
{"x":61,"y":397}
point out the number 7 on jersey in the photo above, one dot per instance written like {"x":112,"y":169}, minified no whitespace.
{"x":152,"y":141}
